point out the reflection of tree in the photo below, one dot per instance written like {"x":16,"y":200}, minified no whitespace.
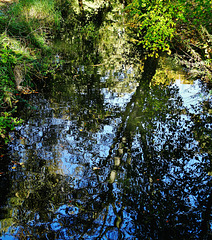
{"x":39,"y":193}
{"x":83,"y":94}
{"x":152,"y":184}
{"x":201,"y":128}
{"x":160,"y":183}
{"x":151,"y":172}
{"x":5,"y":185}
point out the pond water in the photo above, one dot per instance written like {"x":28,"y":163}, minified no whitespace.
{"x":103,"y":154}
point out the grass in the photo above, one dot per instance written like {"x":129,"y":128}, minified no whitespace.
{"x":26,"y":27}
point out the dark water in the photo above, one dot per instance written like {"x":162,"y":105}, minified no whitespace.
{"x":102,"y":154}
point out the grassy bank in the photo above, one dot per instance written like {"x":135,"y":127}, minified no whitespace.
{"x":27,"y":55}
{"x":26,"y":30}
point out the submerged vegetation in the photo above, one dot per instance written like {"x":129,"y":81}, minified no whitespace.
{"x":28,"y":28}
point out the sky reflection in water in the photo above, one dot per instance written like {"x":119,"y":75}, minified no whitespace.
{"x":128,"y":167}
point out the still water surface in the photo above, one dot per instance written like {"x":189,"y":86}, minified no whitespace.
{"x":104,"y":155}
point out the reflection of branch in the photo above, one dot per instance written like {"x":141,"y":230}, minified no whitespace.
{"x":102,"y":200}
{"x":106,"y":230}
{"x":103,"y":225}
{"x":149,"y":71}
{"x":100,"y":64}
{"x":105,"y":202}
{"x":206,"y":216}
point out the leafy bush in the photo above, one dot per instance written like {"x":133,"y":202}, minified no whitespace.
{"x":7,"y":88}
{"x":155,"y":23}
{"x":180,"y":25}
{"x":7,"y":83}
{"x":7,"y":123}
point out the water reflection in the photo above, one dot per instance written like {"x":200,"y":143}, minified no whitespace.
{"x":98,"y":165}
{"x":104,"y":154}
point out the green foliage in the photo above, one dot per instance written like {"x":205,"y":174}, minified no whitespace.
{"x":32,"y":23}
{"x":183,"y":26}
{"x":193,"y":39}
{"x":7,"y":59}
{"x":89,"y":32}
{"x":154,"y":24}
{"x":37,"y":13}
{"x":7,"y":123}
{"x":7,"y":88}
{"x":197,"y":12}
{"x":26,"y":27}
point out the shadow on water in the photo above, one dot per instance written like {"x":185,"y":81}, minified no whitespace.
{"x":107,"y":155}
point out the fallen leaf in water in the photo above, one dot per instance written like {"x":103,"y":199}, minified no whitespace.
{"x":81,"y":129}
{"x":96,"y":168}
{"x":13,"y":167}
{"x":21,"y":164}
{"x":2,"y":155}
